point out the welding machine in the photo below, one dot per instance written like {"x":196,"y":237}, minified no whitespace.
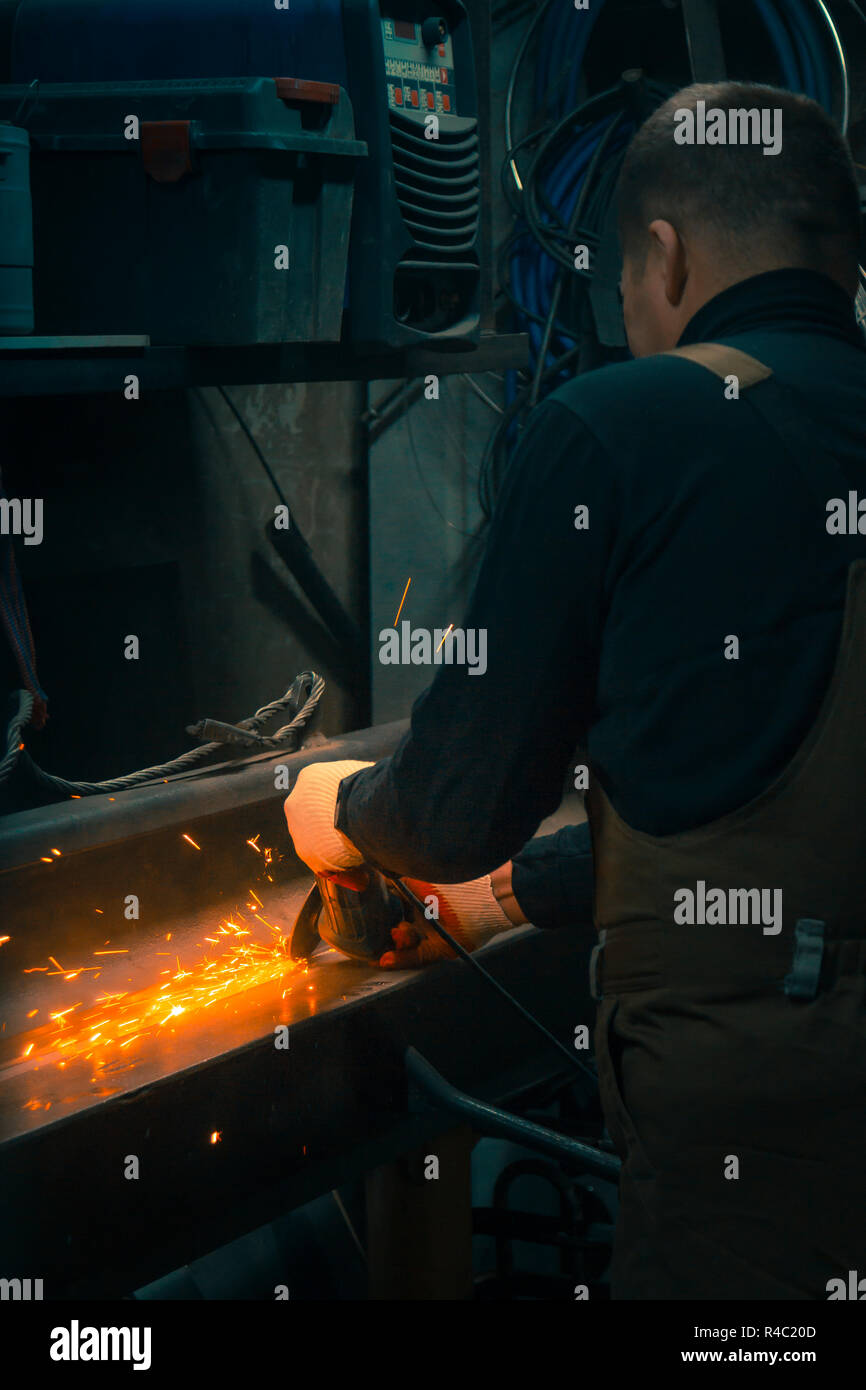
{"x":408,"y":69}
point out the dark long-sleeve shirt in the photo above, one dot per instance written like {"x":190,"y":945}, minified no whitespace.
{"x":612,"y":637}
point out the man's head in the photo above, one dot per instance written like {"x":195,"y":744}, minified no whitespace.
{"x":696,"y":217}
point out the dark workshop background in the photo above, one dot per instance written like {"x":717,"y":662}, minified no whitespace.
{"x":155,"y":511}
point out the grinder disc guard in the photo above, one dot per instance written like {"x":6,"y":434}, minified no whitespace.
{"x":357,"y":922}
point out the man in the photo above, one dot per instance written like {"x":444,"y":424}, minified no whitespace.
{"x":702,"y":632}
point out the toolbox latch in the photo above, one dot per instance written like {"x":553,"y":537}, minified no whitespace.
{"x":165,"y":150}
{"x":299,"y":89}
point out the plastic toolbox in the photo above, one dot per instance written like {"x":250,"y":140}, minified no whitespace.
{"x":200,"y":211}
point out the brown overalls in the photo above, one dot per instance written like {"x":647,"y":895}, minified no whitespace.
{"x":724,"y":1049}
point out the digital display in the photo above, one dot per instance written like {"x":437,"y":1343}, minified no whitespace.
{"x":404,"y":29}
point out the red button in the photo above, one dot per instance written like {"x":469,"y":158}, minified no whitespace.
{"x":446,"y":102}
{"x":414,"y":96}
{"x":443,"y":76}
{"x":398,"y":96}
{"x":430,"y":101}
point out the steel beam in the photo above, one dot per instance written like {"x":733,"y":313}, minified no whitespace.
{"x":291,"y":1124}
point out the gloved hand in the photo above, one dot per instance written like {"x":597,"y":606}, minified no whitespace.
{"x":310,"y":808}
{"x":469,"y":911}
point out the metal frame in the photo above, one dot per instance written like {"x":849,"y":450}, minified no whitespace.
{"x":62,"y":367}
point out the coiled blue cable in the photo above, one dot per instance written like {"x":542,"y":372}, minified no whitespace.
{"x":781,"y":40}
{"x":809,"y":80}
{"x":797,"y":41}
{"x":565,"y":33}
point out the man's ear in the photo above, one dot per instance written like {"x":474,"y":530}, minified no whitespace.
{"x":672,"y":261}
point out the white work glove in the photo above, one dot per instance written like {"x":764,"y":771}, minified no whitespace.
{"x":310,"y":808}
{"x":469,"y":911}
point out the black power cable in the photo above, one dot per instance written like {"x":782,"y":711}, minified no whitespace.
{"x":574,"y":222}
{"x":415,"y":902}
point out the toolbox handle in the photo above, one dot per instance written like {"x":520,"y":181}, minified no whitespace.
{"x":301,"y":89}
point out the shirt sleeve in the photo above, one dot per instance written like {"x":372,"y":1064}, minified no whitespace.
{"x":487,"y":751}
{"x":552,"y":879}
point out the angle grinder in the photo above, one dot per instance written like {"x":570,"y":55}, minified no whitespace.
{"x":355,"y":911}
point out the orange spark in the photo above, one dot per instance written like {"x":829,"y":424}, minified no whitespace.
{"x":191,"y":841}
{"x":403,"y":599}
{"x":233,"y":959}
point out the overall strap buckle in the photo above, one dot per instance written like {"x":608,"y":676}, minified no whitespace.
{"x":802,"y":982}
{"x":595,"y":971}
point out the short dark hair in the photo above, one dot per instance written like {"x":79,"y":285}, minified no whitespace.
{"x":803,"y":202}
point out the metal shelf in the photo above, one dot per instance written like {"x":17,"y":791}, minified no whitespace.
{"x":77,"y":365}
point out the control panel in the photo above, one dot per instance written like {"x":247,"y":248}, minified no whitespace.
{"x":419,"y":66}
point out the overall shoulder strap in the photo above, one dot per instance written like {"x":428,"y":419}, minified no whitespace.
{"x":780,"y":408}
{"x":725,"y":361}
